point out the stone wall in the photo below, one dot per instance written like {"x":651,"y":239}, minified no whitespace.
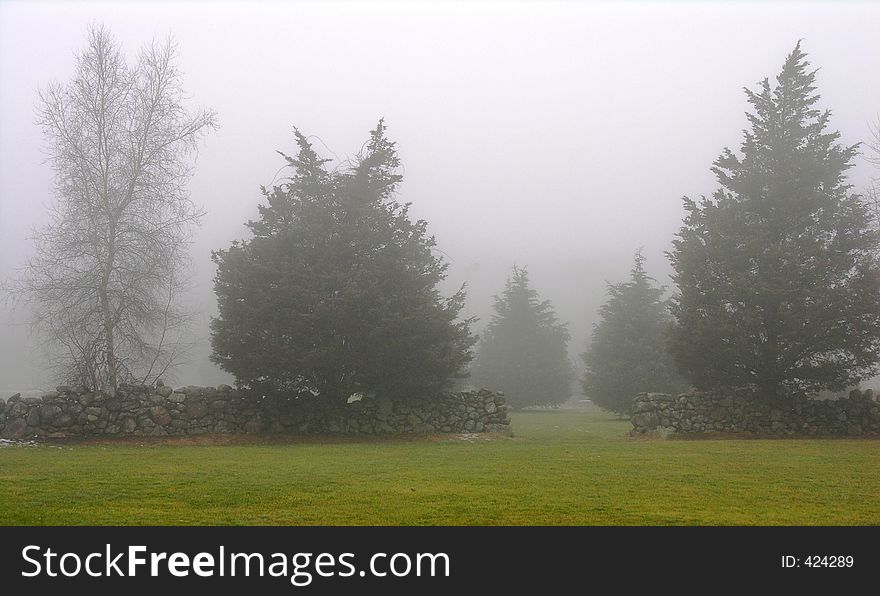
{"x":739,"y":412}
{"x":161,"y":411}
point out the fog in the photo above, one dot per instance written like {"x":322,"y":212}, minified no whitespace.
{"x":557,"y":136}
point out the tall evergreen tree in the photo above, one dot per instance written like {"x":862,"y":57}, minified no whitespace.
{"x":629,"y":349}
{"x":523,"y":350}
{"x":336,"y":293}
{"x":779,"y":283}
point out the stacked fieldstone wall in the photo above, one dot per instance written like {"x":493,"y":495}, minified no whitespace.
{"x":742,"y":412}
{"x":163,"y":411}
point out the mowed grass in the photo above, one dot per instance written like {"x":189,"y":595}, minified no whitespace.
{"x":560,"y":468}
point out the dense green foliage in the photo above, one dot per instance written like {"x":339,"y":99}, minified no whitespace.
{"x":523,"y":350}
{"x":336,"y":293}
{"x":778,"y":277}
{"x":629,"y":352}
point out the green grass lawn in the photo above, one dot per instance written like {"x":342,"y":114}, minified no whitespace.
{"x":565,"y":467}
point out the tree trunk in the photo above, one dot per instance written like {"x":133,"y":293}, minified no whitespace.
{"x":104,"y":293}
{"x":109,"y":347}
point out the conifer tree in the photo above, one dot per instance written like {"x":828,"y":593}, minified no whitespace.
{"x":523,"y":350}
{"x":778,"y":278}
{"x":629,"y":350}
{"x":336,"y":293}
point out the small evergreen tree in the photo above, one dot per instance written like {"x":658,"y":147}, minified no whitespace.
{"x":629,"y":353}
{"x":778,"y":277}
{"x":336,"y":293}
{"x":523,"y":350}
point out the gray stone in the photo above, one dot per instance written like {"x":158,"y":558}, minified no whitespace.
{"x":160,"y":415}
{"x":33,"y":417}
{"x":253,"y":426}
{"x":16,"y":428}
{"x":18,"y":409}
{"x":643,"y":405}
{"x":384,"y":404}
{"x":223,"y":388}
{"x":223,"y":427}
{"x":138,"y":410}
{"x":113,"y":405}
{"x":719,"y":413}
{"x":15,"y":398}
{"x":196,"y":409}
{"x":645,"y":420}
{"x":738,"y":411}
{"x":164,"y":390}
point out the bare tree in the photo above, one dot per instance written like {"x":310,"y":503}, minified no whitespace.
{"x":111,"y":263}
{"x":872,"y":155}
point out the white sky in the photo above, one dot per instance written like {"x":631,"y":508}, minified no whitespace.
{"x":561,"y":136}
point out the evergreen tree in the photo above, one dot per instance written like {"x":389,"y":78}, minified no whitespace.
{"x":523,"y":350}
{"x":629,"y":353}
{"x":779,"y":284}
{"x":336,"y":293}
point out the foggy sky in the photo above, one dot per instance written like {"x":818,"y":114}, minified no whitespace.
{"x":557,"y":136}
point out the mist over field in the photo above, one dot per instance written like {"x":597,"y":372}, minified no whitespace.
{"x":557,"y":136}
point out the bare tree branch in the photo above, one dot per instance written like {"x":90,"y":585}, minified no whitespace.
{"x":106,"y":273}
{"x":872,"y":155}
